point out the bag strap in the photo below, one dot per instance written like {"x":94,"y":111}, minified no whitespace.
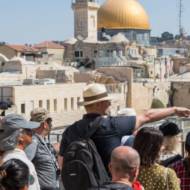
{"x":166,"y":178}
{"x":53,"y":160}
{"x":93,"y":126}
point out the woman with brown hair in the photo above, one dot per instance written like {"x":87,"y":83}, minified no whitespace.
{"x":152,"y":176}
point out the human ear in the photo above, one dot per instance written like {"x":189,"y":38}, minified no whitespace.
{"x":110,"y":167}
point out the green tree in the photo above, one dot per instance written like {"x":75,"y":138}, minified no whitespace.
{"x":156,"y":103}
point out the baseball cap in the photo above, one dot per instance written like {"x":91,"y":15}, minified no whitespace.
{"x":10,"y":128}
{"x":39,"y":115}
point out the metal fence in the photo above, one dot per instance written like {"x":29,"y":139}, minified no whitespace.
{"x":183,"y":123}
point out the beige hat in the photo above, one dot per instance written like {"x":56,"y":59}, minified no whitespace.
{"x":39,"y":115}
{"x":94,"y":93}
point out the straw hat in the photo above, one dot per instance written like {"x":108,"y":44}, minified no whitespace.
{"x":94,"y":93}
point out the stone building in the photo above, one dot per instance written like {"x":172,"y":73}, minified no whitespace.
{"x":61,"y":100}
{"x":18,"y":69}
{"x":51,"y":52}
{"x":43,"y":52}
{"x":85,"y":19}
{"x":140,"y":92}
{"x":143,"y":93}
{"x":116,"y":33}
{"x":181,"y":93}
{"x":180,"y":90}
{"x":179,"y":64}
{"x":124,"y":16}
{"x":90,"y":54}
{"x":25,"y":51}
{"x":3,"y":58}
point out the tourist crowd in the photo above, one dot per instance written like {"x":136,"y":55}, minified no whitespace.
{"x":98,"y":152}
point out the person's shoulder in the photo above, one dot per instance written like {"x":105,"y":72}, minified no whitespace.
{"x":157,"y":168}
{"x":172,"y":174}
{"x":170,"y":171}
{"x":165,"y":170}
{"x":71,"y":127}
{"x":171,"y":159}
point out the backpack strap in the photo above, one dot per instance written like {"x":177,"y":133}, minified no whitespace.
{"x":53,"y":159}
{"x":93,"y":127}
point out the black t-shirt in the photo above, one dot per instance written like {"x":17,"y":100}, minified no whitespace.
{"x":107,"y":136}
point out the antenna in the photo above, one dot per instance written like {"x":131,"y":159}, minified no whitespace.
{"x":180,"y":17}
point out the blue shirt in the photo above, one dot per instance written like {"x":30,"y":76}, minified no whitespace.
{"x":106,"y":137}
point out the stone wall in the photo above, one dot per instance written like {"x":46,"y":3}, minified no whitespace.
{"x":181,"y":93}
{"x":58,"y":75}
{"x":60,"y":99}
{"x":178,"y":62}
{"x":142,"y":94}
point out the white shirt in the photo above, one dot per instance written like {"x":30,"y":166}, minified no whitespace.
{"x":166,"y":155}
{"x":20,"y":155}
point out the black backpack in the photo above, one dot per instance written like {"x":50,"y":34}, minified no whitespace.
{"x":83,"y":167}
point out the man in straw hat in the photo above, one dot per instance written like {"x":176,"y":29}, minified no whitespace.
{"x":110,"y":130}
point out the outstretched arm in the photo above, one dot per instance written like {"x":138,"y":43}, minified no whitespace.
{"x":157,"y":114}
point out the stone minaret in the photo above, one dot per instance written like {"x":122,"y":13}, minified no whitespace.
{"x":85,"y":19}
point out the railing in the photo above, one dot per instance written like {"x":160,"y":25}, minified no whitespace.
{"x":55,"y":137}
{"x":183,"y":123}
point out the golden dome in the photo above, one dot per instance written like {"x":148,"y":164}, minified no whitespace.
{"x":123,"y":14}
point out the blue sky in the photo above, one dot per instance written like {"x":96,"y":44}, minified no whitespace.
{"x":32,"y":21}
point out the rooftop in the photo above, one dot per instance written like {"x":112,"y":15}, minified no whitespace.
{"x":48,"y":44}
{"x":22,"y":48}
